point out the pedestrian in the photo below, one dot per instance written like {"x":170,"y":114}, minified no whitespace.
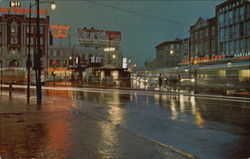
{"x":160,"y":81}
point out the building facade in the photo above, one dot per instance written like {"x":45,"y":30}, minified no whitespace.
{"x":234,"y":27}
{"x":65,"y":61}
{"x":14,"y":39}
{"x":168,"y":54}
{"x":203,"y":38}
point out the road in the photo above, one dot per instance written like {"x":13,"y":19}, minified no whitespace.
{"x":113,"y":123}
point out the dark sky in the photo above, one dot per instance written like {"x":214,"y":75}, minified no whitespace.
{"x":140,"y":34}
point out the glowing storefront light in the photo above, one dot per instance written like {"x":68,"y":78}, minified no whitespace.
{"x":109,"y":49}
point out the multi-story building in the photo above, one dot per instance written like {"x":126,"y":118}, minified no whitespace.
{"x":168,"y":54}
{"x":64,"y":61}
{"x":185,"y":48}
{"x":234,"y":27}
{"x":203,"y":38}
{"x":14,"y":39}
{"x":60,"y":59}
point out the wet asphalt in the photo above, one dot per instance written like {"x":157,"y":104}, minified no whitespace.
{"x":116,"y":124}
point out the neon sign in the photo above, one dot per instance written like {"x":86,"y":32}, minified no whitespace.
{"x":15,"y":4}
{"x":21,"y":10}
{"x":60,"y":31}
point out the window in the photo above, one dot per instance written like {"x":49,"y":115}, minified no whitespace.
{"x":231,"y":47}
{"x":248,"y":28}
{"x":51,"y":63}
{"x":242,"y":45}
{"x":196,"y":35}
{"x":13,"y":40}
{"x":237,"y":31}
{"x":64,"y":63}
{"x":41,"y":29}
{"x":221,"y":35}
{"x":248,"y":11}
{"x":226,"y":18}
{"x":213,"y":30}
{"x":213,"y":45}
{"x":221,"y":19}
{"x":196,"y":49}
{"x":58,"y":63}
{"x":31,"y":40}
{"x":206,"y":47}
{"x":248,"y":44}
{"x":231,"y":17}
{"x":31,"y":50}
{"x":221,"y":48}
{"x":201,"y":34}
{"x":236,"y":44}
{"x":242,"y":29}
{"x":231,"y":31}
{"x":41,"y":41}
{"x":242,"y":12}
{"x":226,"y":34}
{"x":12,"y":51}
{"x":226,"y":48}
{"x":54,"y":53}
{"x":31,"y":29}
{"x":57,"y":53}
{"x":236,"y":15}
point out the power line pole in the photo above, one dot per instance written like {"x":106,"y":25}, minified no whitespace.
{"x":38,"y":58}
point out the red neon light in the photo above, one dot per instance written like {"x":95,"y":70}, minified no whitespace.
{"x":203,"y":59}
{"x":4,"y":10}
{"x":60,"y":27}
{"x":21,"y":10}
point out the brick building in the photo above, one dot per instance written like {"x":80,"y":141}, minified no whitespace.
{"x":14,"y":39}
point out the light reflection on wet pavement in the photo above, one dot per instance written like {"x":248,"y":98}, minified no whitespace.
{"x":114,"y":124}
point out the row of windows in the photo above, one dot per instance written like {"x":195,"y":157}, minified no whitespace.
{"x":233,"y":47}
{"x":169,"y":46}
{"x":14,"y":40}
{"x":56,"y":53}
{"x":202,"y":33}
{"x":13,"y":29}
{"x":235,"y":15}
{"x":202,"y":48}
{"x":32,"y":40}
{"x":33,"y":28}
{"x":234,"y":31}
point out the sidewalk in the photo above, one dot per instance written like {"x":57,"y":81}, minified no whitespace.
{"x":58,"y":130}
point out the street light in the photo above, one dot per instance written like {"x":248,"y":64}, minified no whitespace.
{"x":37,"y":55}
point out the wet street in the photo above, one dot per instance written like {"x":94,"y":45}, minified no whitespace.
{"x":93,"y":123}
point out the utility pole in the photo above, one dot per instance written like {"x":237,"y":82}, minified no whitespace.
{"x":29,"y":59}
{"x":38,"y":57}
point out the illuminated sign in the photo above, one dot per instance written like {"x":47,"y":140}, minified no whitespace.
{"x":242,"y":54}
{"x":20,"y":10}
{"x":60,"y":31}
{"x":98,"y":37}
{"x":203,"y":59}
{"x":124,"y":63}
{"x":15,"y":4}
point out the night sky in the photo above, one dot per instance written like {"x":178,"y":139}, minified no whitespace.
{"x":143,"y":24}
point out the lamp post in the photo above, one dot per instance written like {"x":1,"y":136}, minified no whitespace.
{"x":37,"y":55}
